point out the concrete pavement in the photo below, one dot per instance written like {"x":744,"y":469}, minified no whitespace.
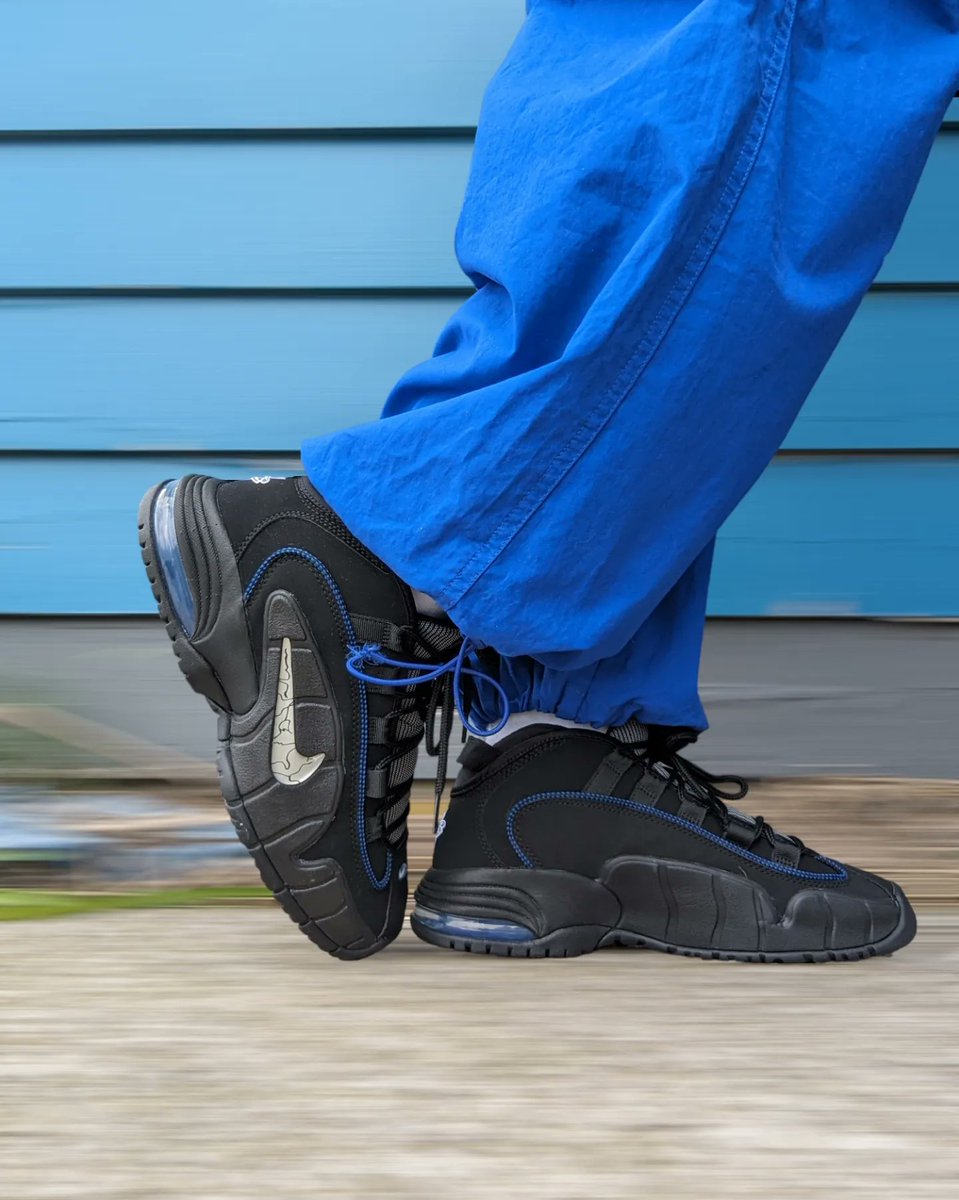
{"x":215,"y":1055}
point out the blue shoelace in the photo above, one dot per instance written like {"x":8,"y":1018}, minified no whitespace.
{"x":447,"y":679}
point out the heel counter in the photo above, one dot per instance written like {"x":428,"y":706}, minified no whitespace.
{"x":459,"y":839}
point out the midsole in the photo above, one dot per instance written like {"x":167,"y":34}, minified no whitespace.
{"x":676,"y":903}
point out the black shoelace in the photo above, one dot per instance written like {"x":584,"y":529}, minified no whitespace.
{"x":441,"y":702}
{"x":659,"y":748}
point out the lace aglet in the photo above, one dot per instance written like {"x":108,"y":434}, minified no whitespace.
{"x":438,"y":803}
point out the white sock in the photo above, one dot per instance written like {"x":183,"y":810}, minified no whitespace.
{"x":426,"y":606}
{"x":521,"y":720}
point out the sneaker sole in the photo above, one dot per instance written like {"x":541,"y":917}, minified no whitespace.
{"x":274,"y":821}
{"x":557,"y":914}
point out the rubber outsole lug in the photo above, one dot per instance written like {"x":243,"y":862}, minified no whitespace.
{"x":332,"y":924}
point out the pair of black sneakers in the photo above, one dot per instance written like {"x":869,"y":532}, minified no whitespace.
{"x":556,"y":842}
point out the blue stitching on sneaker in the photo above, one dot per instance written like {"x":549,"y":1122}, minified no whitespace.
{"x":297,"y":552}
{"x":633,"y":806}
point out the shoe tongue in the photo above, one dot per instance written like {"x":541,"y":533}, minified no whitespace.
{"x":633,"y":732}
{"x":440,"y":639}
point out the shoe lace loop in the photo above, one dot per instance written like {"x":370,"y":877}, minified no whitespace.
{"x":446,"y":697}
{"x":659,"y":748}
{"x":689,"y":776}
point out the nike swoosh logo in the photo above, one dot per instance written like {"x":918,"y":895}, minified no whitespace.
{"x":289,"y":765}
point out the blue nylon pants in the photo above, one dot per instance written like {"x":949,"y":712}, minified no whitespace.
{"x":674,"y":209}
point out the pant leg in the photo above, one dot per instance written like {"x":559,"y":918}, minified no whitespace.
{"x":674,"y":209}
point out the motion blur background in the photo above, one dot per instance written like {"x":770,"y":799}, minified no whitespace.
{"x":227,"y":225}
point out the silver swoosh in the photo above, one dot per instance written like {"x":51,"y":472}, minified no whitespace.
{"x":289,"y":765}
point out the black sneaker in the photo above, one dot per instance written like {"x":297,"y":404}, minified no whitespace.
{"x":266,"y":595}
{"x":558,"y":842}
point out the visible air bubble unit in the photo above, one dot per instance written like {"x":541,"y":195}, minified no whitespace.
{"x":171,"y":564}
{"x":472,"y":927}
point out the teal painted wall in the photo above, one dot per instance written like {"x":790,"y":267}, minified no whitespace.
{"x":229,"y":224}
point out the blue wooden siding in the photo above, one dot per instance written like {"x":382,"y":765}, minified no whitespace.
{"x":854,"y":535}
{"x":254,"y":374}
{"x":311,"y":213}
{"x":341,"y":235}
{"x":249,"y":64}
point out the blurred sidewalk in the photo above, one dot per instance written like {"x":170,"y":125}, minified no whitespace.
{"x":106,"y":779}
{"x":215,"y":1055}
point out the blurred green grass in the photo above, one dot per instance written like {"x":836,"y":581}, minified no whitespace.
{"x":27,"y":904}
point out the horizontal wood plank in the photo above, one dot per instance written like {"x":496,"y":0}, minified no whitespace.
{"x":857,"y":536}
{"x":843,"y":535}
{"x":223,"y":214}
{"x":227,"y":374}
{"x":227,"y":64}
{"x":202,"y":374}
{"x":893,"y":382}
{"x":344,"y":214}
{"x":250,"y":64}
